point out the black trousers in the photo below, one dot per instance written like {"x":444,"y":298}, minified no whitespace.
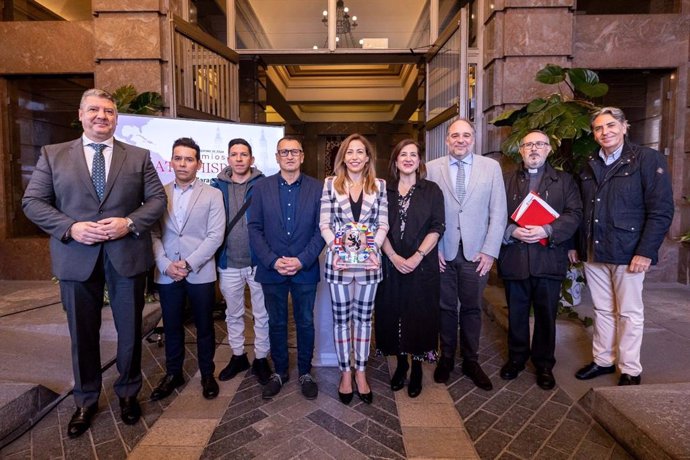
{"x":542,"y":294}
{"x":83,"y":301}
{"x":173,"y":300}
{"x":460,"y":282}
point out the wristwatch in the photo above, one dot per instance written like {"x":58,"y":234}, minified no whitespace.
{"x":130,"y":225}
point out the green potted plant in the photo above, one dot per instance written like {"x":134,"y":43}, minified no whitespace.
{"x":565,"y":118}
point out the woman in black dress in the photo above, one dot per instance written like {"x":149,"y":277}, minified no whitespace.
{"x":407,"y":300}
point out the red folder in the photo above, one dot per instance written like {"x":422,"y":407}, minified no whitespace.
{"x":534,"y":211}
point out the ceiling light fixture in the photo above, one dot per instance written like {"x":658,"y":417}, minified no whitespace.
{"x":344,"y":23}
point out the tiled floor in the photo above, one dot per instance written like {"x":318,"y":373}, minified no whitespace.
{"x":515,"y":420}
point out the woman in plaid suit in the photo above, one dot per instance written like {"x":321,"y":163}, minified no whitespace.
{"x":353,"y":196}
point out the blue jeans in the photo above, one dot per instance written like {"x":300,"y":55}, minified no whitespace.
{"x":276,"y":298}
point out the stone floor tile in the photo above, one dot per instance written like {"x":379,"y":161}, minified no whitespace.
{"x":340,"y":411}
{"x":619,"y":453}
{"x":180,"y":432}
{"x":549,"y":453}
{"x":166,"y":452}
{"x":534,"y":398}
{"x":501,"y":402}
{"x":578,"y":414}
{"x":303,"y":409}
{"x":131,"y":434}
{"x":104,"y":427}
{"x":508,"y":456}
{"x":379,"y":416}
{"x":390,"y":439}
{"x":373,"y":449}
{"x":513,"y":420}
{"x":337,"y":447}
{"x":278,"y":436}
{"x":568,"y":436}
{"x":334,"y":426}
{"x":271,"y":424}
{"x":79,"y":448}
{"x":600,"y":436}
{"x":282,"y":402}
{"x":429,"y":415}
{"x":589,"y":450}
{"x":23,"y":443}
{"x":469,"y":404}
{"x":20,"y":455}
{"x":291,"y":448}
{"x":422,"y":442}
{"x":550,"y":415}
{"x":47,"y":442}
{"x":195,"y":406}
{"x":479,"y":423}
{"x":522,"y":384}
{"x":491,"y":444}
{"x":237,"y":424}
{"x":314,"y":454}
{"x":227,"y":445}
{"x":562,"y":397}
{"x":111,"y":450}
{"x":460,"y":389}
{"x":528,"y":441}
{"x":238,"y":408}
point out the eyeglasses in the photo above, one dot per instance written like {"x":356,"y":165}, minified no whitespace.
{"x":539,"y":145}
{"x":286,"y":152}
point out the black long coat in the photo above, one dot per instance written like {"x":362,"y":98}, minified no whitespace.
{"x":407,"y":305}
{"x":518,"y":260}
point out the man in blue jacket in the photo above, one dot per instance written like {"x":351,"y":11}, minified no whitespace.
{"x":285,"y":240}
{"x":235,"y":268}
{"x":628,"y":208}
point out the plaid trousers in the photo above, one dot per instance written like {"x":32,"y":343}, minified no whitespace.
{"x":353,"y":305}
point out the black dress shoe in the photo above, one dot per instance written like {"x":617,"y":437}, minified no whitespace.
{"x":592,"y":370}
{"x":414,"y":388}
{"x":166,"y":386}
{"x":130,"y":410}
{"x":511,"y":369}
{"x":209,"y":387}
{"x":400,"y":374}
{"x":236,"y":365}
{"x":366,"y":398}
{"x":474,"y":371}
{"x":81,"y":420}
{"x":545,"y":379}
{"x":627,"y":379}
{"x":443,"y":369}
{"x":345,"y":398}
{"x":262,"y":370}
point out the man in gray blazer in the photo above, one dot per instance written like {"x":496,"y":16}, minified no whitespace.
{"x":97,"y":199}
{"x":185,"y":241}
{"x":475,"y":205}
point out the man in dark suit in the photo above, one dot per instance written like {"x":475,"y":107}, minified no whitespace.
{"x":285,"y":240}
{"x":532,"y":272}
{"x":184,"y":243}
{"x":475,"y":204}
{"x":97,"y":198}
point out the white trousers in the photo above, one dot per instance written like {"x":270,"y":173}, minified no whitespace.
{"x":232,"y":283}
{"x":618,"y":315}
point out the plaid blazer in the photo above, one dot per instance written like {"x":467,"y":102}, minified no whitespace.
{"x":336,"y":212}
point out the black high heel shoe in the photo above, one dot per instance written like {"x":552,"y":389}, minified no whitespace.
{"x":345,"y":398}
{"x":414,"y":388}
{"x":366,"y":398}
{"x":400,"y":374}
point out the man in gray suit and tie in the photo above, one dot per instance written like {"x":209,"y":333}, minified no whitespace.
{"x":476,"y":214}
{"x":97,"y":198}
{"x":185,"y":241}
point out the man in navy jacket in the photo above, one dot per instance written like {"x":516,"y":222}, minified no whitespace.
{"x":628,"y":208}
{"x":285,"y":241}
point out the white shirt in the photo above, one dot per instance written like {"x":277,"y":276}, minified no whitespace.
{"x":89,"y":152}
{"x":613,"y":157}
{"x":180,"y":202}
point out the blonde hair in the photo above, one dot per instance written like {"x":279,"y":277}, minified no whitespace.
{"x":369,"y":172}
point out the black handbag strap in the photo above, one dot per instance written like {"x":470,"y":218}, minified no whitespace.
{"x":237,"y":217}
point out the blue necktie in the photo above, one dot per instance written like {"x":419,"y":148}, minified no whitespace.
{"x":98,"y":169}
{"x":460,"y":182}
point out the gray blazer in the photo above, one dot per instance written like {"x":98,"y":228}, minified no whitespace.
{"x":482,"y":215}
{"x":61,"y":193}
{"x":196,"y":241}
